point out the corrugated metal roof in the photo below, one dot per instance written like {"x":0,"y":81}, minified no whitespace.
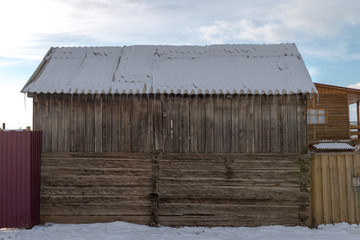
{"x":333,"y":146}
{"x":214,"y":69}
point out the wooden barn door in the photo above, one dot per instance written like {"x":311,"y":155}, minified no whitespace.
{"x":335,"y":188}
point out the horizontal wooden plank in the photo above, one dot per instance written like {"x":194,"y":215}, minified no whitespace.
{"x":244,"y":165}
{"x":72,"y":218}
{"x":96,"y":181}
{"x":232,"y":174}
{"x":99,"y":199}
{"x":226,"y":210}
{"x":256,"y":182}
{"x":112,"y":191}
{"x":232,"y":192}
{"x":96,"y":171}
{"x":222,"y":221}
{"x":184,"y":187}
{"x":96,"y":209}
{"x":100,"y":163}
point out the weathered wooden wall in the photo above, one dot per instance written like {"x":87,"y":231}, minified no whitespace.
{"x":173,"y":123}
{"x":337,"y":125}
{"x":334,"y":199}
{"x":176,"y":189}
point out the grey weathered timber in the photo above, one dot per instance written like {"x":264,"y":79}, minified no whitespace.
{"x":172,"y":123}
{"x":175,"y":189}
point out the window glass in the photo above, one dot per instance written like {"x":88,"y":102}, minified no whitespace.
{"x":313,"y":119}
{"x":316,"y":116}
{"x":321,"y":119}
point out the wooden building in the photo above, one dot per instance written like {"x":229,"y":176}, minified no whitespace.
{"x":328,"y":113}
{"x":173,"y":135}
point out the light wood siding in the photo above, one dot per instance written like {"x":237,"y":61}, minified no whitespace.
{"x":337,"y":123}
{"x":176,"y":189}
{"x":333,"y":197}
{"x":173,"y":123}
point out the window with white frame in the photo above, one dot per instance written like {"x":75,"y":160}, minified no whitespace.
{"x":316,"y":116}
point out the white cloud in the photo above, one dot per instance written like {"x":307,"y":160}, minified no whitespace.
{"x":313,"y":71}
{"x":29,"y":28}
{"x":300,"y":21}
{"x":18,"y":114}
{"x":356,"y":85}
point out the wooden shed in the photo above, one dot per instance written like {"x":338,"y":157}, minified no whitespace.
{"x":328,"y":114}
{"x":173,"y":135}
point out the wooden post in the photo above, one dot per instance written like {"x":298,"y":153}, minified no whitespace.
{"x":358,"y":113}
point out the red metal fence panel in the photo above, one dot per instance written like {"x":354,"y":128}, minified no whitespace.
{"x":20,"y":154}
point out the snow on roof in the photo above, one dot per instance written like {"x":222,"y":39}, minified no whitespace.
{"x":214,"y":69}
{"x":333,"y":146}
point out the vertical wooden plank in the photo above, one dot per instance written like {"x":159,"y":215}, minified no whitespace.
{"x":80,"y":129}
{"x":235,"y":124}
{"x":227,"y":120}
{"x":263,"y":138}
{"x":218,"y":125}
{"x":98,"y":123}
{"x":334,"y":183}
{"x":134,"y":123}
{"x":90,"y":124}
{"x":61,"y":123}
{"x":106,"y":122}
{"x":292,"y":120}
{"x":67,"y":124}
{"x":184,"y":126}
{"x":168,"y":127}
{"x":150,"y":123}
{"x":284,"y":124}
{"x":48,"y":123}
{"x":259,"y":131}
{"x":356,"y":173}
{"x":268,"y":123}
{"x":55,"y":115}
{"x":301,"y":124}
{"x":202,"y":131}
{"x":176,"y":125}
{"x":193,"y":128}
{"x":209,"y":121}
{"x":115,"y":123}
{"x":341,"y":166}
{"x":142,"y":126}
{"x":274,"y":129}
{"x":250,"y":124}
{"x":158,"y":122}
{"x":326,"y":187}
{"x":42,"y":118}
{"x":243,"y":128}
{"x":73,"y":122}
{"x":349,"y":165}
{"x":36,"y":113}
{"x":126,"y":106}
{"x":316,"y":196}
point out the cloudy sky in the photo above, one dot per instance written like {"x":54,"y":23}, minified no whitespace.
{"x":326,"y":32}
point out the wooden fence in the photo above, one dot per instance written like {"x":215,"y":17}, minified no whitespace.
{"x":335,"y":191}
{"x":176,"y":189}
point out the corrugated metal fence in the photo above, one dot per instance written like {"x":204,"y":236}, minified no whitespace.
{"x":20,"y":153}
{"x":335,"y":188}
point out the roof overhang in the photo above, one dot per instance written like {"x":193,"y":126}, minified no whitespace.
{"x":353,"y":93}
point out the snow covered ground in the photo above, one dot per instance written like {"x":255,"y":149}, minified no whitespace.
{"x":122,"y":230}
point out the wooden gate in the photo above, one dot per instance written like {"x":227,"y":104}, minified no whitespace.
{"x":335,"y":188}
